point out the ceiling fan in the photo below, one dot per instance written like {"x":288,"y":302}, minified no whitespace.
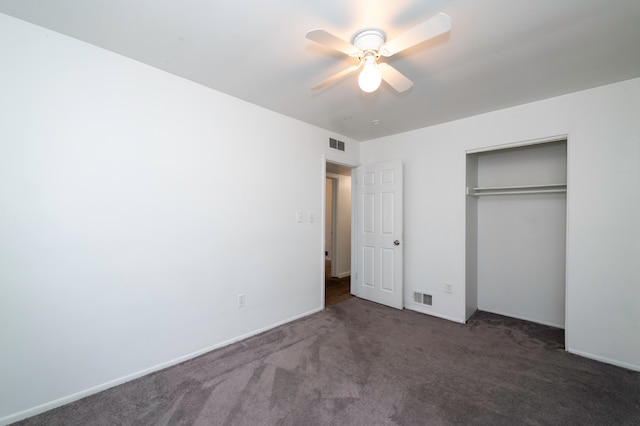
{"x":369,"y":44}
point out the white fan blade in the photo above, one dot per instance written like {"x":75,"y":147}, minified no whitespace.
{"x":326,"y":38}
{"x":336,"y":77}
{"x":394,"y":78}
{"x":439,"y":24}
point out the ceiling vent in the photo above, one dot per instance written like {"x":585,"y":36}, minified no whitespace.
{"x":336,"y":144}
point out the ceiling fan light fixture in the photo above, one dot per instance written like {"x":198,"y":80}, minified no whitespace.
{"x":369,"y":79}
{"x":369,"y":44}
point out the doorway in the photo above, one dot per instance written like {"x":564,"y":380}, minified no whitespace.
{"x":337,"y":236}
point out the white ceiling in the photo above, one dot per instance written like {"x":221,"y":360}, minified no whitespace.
{"x":499,"y":53}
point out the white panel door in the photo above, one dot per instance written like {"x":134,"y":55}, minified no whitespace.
{"x":379,"y":244}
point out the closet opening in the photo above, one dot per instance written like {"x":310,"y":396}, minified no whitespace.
{"x":516,"y":232}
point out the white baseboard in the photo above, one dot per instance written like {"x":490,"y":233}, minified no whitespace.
{"x":423,"y":310}
{"x":537,"y":321}
{"x":605,"y":360}
{"x":104,"y":386}
{"x":344,"y":274}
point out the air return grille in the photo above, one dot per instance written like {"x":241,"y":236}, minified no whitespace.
{"x":423,"y":298}
{"x":336,"y":144}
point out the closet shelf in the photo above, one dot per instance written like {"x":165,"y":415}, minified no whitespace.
{"x":512,"y":190}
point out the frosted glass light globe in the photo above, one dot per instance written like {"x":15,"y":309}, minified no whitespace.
{"x":369,"y":79}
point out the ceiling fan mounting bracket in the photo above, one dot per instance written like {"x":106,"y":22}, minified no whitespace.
{"x":369,"y":40}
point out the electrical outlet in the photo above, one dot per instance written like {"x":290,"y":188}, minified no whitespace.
{"x":448,"y":288}
{"x":241,"y":300}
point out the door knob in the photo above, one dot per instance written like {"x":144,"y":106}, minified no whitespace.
{"x":396,"y":243}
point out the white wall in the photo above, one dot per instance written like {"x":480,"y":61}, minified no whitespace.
{"x":343,"y":224}
{"x":471,"y":241}
{"x":328,"y":230}
{"x":521,"y":256}
{"x":134,"y":207}
{"x":603,"y":207}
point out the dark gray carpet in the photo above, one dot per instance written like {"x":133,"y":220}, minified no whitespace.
{"x":358,"y":363}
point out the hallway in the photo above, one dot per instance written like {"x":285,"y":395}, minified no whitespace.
{"x":336,"y":290}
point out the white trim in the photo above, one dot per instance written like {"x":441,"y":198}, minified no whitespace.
{"x":567,"y":248}
{"x":549,"y":139}
{"x":323,"y":231}
{"x":422,"y":310}
{"x":333,"y":255}
{"x":606,"y":360}
{"x":536,"y":321}
{"x":112,"y":383}
{"x":354,"y":283}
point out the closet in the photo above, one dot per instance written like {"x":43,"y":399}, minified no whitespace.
{"x":516,"y":232}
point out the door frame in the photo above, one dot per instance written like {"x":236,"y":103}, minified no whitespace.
{"x":334,"y":199}
{"x":323,"y":224}
{"x":530,"y":143}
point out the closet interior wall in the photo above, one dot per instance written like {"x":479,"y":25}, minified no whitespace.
{"x":516,"y":232}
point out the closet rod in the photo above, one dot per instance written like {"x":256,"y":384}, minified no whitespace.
{"x":537,"y":191}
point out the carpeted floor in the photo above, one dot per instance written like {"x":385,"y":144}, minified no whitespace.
{"x":336,"y":289}
{"x":359,"y":363}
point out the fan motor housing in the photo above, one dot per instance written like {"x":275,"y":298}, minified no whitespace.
{"x":370,"y":39}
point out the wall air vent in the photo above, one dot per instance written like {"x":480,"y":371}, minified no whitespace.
{"x":423,"y":298}
{"x":336,"y":144}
